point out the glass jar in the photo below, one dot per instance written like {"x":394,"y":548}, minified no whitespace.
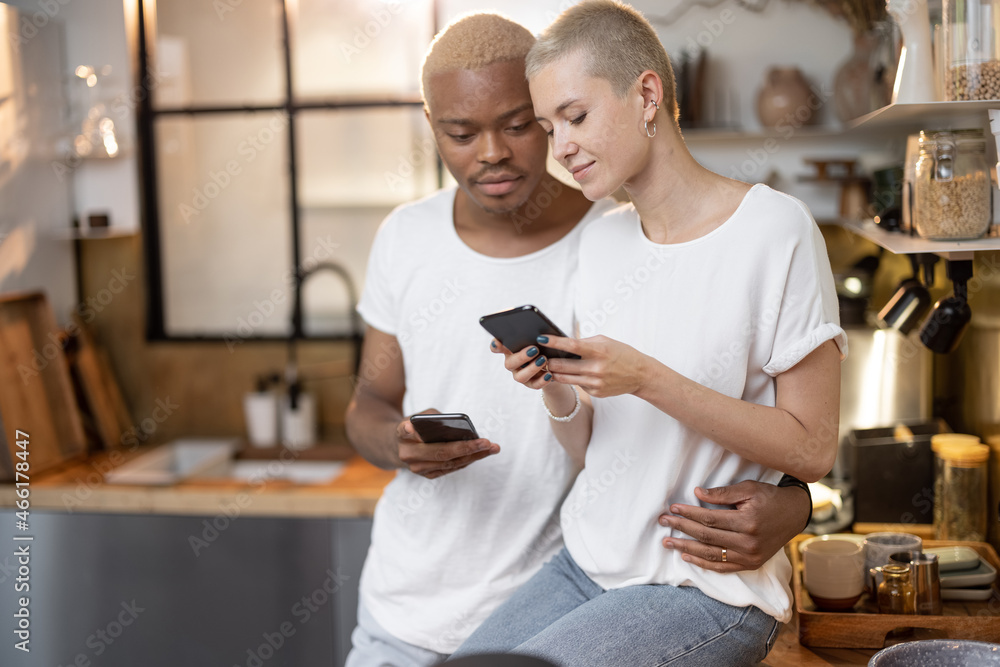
{"x":895,"y":593}
{"x":972,"y":54}
{"x":951,"y":191}
{"x":964,"y":478}
{"x":938,"y":441}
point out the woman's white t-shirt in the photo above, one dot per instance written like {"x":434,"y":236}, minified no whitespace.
{"x":730,"y":310}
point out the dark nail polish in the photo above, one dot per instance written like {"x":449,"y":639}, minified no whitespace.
{"x":539,"y":361}
{"x":532,"y":351}
{"x":542,"y":340}
{"x":493,"y":344}
{"x":548,"y":376}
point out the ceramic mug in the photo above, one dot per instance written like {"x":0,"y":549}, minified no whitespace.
{"x":879,"y":546}
{"x":833,"y":573}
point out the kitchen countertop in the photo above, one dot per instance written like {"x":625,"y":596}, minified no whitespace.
{"x":80,"y":487}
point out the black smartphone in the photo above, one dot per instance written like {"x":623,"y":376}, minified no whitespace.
{"x":518,"y":328}
{"x":444,"y":427}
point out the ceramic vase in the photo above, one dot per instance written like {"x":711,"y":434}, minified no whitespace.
{"x":784,"y":100}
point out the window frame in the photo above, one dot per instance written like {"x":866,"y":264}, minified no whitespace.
{"x":146,"y":116}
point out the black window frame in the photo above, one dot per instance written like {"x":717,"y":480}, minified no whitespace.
{"x":146,"y":117}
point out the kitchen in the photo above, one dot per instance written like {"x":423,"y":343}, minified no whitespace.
{"x":188,"y":359}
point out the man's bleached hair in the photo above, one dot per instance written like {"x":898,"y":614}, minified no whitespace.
{"x":472,"y":42}
{"x":619,"y":43}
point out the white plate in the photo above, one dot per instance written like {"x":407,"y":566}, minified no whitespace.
{"x":954,"y":558}
{"x":981,"y":576}
{"x":983,"y":593}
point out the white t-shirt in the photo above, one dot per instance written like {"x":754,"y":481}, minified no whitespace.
{"x":730,"y":310}
{"x":446,"y":552}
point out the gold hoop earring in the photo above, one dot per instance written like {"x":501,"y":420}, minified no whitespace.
{"x":646,"y":125}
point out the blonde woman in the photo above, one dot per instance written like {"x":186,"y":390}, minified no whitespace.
{"x":710,"y":354}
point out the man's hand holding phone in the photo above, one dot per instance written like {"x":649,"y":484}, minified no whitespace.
{"x":434,"y":459}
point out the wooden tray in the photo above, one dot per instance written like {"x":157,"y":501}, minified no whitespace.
{"x":864,"y":627}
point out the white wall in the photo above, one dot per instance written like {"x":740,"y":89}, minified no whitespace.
{"x":35,"y":198}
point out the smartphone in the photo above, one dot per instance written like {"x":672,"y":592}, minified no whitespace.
{"x":519,"y":327}
{"x":444,"y":427}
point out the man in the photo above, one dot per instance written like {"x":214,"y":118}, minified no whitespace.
{"x":463,"y":524}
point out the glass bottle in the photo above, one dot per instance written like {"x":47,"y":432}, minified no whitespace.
{"x":951,"y":191}
{"x":964,"y":481}
{"x":895,"y":593}
{"x":971,"y":50}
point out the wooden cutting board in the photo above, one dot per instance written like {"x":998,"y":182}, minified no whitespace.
{"x":36,"y":395}
{"x":101,"y":394}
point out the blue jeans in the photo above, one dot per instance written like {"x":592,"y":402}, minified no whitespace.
{"x":562,"y":616}
{"x":373,"y":646}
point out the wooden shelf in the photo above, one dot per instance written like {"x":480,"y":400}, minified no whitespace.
{"x":904,"y":244}
{"x":92,"y":234}
{"x":728,"y":135}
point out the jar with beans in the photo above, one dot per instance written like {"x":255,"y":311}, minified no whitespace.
{"x":952,"y":191}
{"x":971,"y":49}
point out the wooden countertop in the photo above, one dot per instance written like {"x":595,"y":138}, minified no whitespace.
{"x":80,"y":487}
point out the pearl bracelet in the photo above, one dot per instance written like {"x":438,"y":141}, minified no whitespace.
{"x":569,"y":417}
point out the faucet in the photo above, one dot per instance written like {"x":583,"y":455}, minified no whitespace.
{"x":291,"y":373}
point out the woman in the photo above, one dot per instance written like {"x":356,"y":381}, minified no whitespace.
{"x":717,"y":360}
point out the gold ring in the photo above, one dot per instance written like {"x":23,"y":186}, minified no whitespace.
{"x":724,"y":555}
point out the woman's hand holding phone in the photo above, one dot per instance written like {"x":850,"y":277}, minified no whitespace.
{"x":434,"y":459}
{"x":606,"y":368}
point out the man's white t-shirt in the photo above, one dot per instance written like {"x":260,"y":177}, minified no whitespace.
{"x":446,"y":552}
{"x":730,"y":310}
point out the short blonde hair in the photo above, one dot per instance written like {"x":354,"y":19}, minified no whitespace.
{"x":474,"y":41}
{"x":619,"y":43}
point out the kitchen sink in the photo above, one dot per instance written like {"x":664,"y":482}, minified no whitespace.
{"x":207,"y":458}
{"x":175,"y":462}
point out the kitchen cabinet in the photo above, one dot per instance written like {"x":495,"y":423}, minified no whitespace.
{"x":119,"y":590}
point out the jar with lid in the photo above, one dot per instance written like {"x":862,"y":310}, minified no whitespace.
{"x":938,"y":441}
{"x":964,"y":478}
{"x":951,"y":191}
{"x":971,"y":50}
{"x":895,"y":593}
